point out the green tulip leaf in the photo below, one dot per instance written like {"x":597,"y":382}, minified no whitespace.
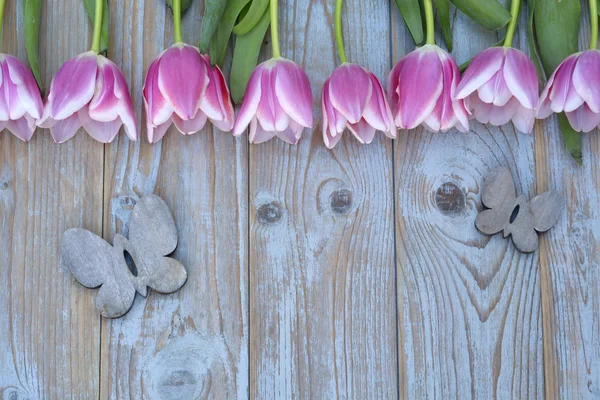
{"x":411,"y":13}
{"x":556,"y":27}
{"x":32,"y":10}
{"x":213,"y":11}
{"x":488,"y":13}
{"x":245,"y":56}
{"x":252,"y":18}
{"x":531,"y":41}
{"x":220,"y":39}
{"x":91,"y":11}
{"x":443,"y":10}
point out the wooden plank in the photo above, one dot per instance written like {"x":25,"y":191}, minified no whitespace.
{"x":569,"y":259}
{"x":49,"y":331}
{"x":470,"y":323}
{"x":321,"y":235}
{"x":193,"y":343}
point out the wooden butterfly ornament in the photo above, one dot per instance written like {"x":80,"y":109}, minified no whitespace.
{"x":514,"y":216}
{"x":95,"y":263}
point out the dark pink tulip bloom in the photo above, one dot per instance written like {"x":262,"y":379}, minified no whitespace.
{"x":353,"y":98}
{"x":20,"y":100}
{"x":278,"y":102}
{"x":574,"y":88}
{"x":500,"y":85}
{"x":182,"y":88}
{"x":89,"y":90}
{"x":421,"y":90}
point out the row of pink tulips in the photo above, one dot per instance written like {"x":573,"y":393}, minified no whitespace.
{"x":182,"y":88}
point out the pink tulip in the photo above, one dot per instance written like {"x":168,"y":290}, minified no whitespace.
{"x":20,"y":100}
{"x":278,"y":102}
{"x":500,"y":85}
{"x":183,"y":88}
{"x":421,"y":89}
{"x":353,"y":98}
{"x":89,"y":90}
{"x":574,"y":88}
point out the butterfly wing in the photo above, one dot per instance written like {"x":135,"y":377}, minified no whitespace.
{"x":93,"y":262}
{"x":499,"y":197}
{"x":153,"y":234}
{"x":524,"y":237}
{"x":545,"y":210}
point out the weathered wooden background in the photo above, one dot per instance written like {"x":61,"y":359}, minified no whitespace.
{"x":352,"y":273}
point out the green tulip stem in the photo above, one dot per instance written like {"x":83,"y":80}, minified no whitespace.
{"x":594,"y":24}
{"x":274,"y":29}
{"x":97,"y":25}
{"x":177,"y":36}
{"x":339,"y":32}
{"x":2,"y":3}
{"x":515,"y":10}
{"x":429,"y":21}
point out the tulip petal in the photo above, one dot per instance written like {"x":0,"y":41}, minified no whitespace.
{"x":158,"y":110}
{"x":495,"y":90}
{"x":586,"y":79}
{"x":502,"y":115}
{"x":270,"y":114}
{"x":15,"y":108}
{"x":216,"y":103}
{"x":64,"y":129}
{"x":156,"y":133}
{"x":521,"y":78}
{"x":182,"y":79}
{"x":421,"y":84}
{"x":3,"y":94}
{"x":293,"y":92}
{"x":292,"y":134}
{"x":393,"y":83}
{"x":102,"y":131}
{"x":524,"y":119}
{"x":583,"y":119}
{"x":103,"y":107}
{"x":330,"y":141}
{"x":258,"y":134}
{"x":350,"y":89}
{"x":23,"y":128}
{"x":479,"y":109}
{"x":562,"y":84}
{"x":481,"y":69}
{"x":250,"y":104}
{"x":363,"y":132}
{"x":377,"y":112}
{"x":73,"y":87}
{"x":27,"y":88}
{"x":190,"y":126}
{"x":335,"y":121}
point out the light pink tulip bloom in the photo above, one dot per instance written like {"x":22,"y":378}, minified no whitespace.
{"x":89,"y":90}
{"x":20,"y":100}
{"x":278,"y":102}
{"x":500,"y":85}
{"x":574,"y":88}
{"x":353,"y":98}
{"x":421,"y":89}
{"x":184,"y":89}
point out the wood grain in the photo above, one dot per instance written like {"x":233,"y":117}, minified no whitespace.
{"x":570,"y":262}
{"x":49,"y":341}
{"x":322,"y":309}
{"x":470,"y":323}
{"x":193,"y":343}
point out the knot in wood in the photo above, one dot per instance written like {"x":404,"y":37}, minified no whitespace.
{"x":3,"y":185}
{"x":449,"y":199}
{"x":341,"y":201}
{"x":269,"y":213}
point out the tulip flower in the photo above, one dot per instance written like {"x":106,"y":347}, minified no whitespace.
{"x":501,"y":85}
{"x":20,"y":100}
{"x":89,"y":91}
{"x":353,"y":98}
{"x":421,"y":88}
{"x":182,"y":88}
{"x":574,"y":89}
{"x":278,"y":100}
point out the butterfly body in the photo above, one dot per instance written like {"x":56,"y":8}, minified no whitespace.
{"x":515,"y":216}
{"x":95,"y":263}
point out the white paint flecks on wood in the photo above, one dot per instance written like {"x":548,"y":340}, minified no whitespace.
{"x":322,"y":306}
